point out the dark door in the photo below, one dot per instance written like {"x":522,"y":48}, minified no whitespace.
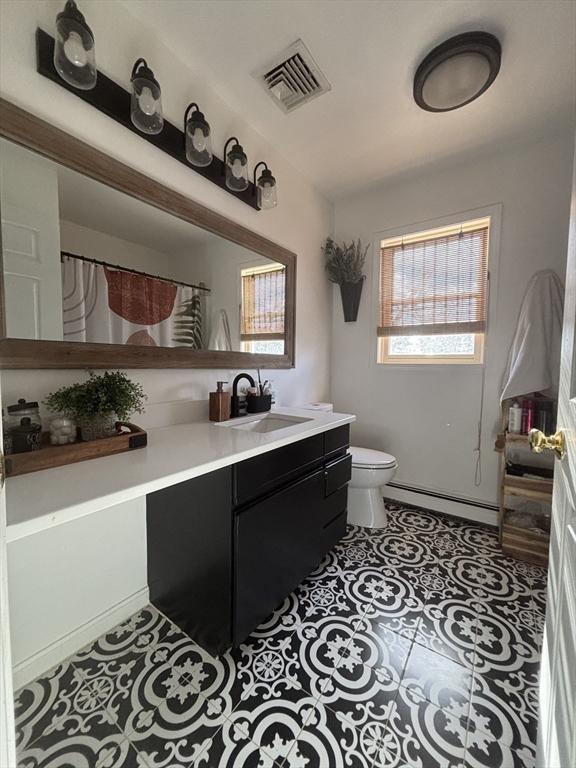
{"x":277,"y":546}
{"x":189,"y":528}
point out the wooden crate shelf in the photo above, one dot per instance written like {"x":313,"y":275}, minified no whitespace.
{"x":531,"y":488}
{"x":516,"y":493}
{"x":525,"y":544}
{"x":513,"y":437}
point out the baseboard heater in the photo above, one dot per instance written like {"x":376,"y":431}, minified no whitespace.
{"x":445,"y":496}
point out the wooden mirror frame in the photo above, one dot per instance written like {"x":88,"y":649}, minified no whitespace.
{"x":30,"y":132}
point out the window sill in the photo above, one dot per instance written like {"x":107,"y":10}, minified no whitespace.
{"x":427,"y":363}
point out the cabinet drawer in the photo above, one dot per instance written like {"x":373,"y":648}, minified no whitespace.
{"x":337,"y":474}
{"x":333,"y":531}
{"x":256,"y":477}
{"x":336,"y":439}
{"x":333,"y":506}
{"x":277,"y":544}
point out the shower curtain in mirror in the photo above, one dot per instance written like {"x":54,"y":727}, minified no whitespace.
{"x":109,"y":305}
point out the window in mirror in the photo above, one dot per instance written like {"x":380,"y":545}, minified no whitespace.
{"x":262,"y":309}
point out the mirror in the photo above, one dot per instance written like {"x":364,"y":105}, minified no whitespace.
{"x":86,"y":263}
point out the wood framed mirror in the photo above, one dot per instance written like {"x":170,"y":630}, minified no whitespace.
{"x":103,"y":267}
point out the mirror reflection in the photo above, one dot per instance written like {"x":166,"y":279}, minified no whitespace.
{"x":83,"y":262}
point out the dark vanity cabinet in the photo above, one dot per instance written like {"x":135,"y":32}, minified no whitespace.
{"x":225,"y":549}
{"x":291,"y":509}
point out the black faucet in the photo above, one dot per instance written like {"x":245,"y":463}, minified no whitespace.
{"x":235,"y":400}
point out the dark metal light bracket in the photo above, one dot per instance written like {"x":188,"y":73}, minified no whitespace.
{"x":113,"y":100}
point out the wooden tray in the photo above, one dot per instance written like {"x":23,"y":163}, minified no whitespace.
{"x":50,"y":456}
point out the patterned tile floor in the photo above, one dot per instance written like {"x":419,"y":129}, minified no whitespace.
{"x":418,"y":645}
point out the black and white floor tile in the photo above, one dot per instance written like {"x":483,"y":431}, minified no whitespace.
{"x":417,"y":645}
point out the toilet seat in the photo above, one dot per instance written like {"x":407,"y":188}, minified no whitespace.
{"x":366,"y":458}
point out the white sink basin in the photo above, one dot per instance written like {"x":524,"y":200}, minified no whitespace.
{"x":268,"y":422}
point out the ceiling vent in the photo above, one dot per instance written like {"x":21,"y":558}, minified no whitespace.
{"x":293,"y":78}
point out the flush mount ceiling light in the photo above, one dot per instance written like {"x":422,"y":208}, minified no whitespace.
{"x":457,"y":71}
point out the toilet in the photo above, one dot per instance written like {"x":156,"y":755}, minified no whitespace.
{"x":370,"y":471}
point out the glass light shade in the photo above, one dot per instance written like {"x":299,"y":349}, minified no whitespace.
{"x":237,"y":169}
{"x":74,"y":50}
{"x":457,"y":71}
{"x":146,"y":100}
{"x":198,"y":141}
{"x":456,"y":80}
{"x":268,"y":197}
{"x":267,"y":190}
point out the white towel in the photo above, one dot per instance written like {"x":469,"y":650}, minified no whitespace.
{"x":220,"y":337}
{"x":534,"y":358}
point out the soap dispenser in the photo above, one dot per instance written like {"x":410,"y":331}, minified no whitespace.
{"x":219,"y":403}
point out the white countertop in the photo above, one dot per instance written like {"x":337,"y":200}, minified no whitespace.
{"x":40,"y":500}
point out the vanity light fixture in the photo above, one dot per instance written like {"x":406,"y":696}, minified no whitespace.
{"x":146,"y":100}
{"x":266,"y":186}
{"x":235,"y":166}
{"x":197,"y":133}
{"x":457,"y":71}
{"x":74,"y":53}
{"x":139,"y":109}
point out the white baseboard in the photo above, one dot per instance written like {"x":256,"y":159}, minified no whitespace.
{"x":456,"y":508}
{"x":67,"y":646}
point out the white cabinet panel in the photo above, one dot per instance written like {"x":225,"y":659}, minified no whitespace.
{"x":66,"y":576}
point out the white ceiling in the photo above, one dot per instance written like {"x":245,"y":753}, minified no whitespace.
{"x":368,"y":127}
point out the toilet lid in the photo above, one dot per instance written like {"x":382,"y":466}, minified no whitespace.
{"x":366,"y":457}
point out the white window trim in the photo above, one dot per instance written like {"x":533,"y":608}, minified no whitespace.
{"x":493,"y":211}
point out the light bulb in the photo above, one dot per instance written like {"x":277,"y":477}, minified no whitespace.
{"x":237,"y":169}
{"x":74,"y":50}
{"x":199,"y":140}
{"x":268,"y":198}
{"x":147,"y":102}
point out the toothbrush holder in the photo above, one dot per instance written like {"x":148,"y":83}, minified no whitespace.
{"x":258,"y":403}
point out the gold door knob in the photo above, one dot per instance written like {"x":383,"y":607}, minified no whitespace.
{"x":539,"y":442}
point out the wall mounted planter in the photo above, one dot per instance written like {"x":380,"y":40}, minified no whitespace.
{"x":351,"y":293}
{"x":113,"y":100}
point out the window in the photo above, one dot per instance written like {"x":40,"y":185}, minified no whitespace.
{"x":433,"y":290}
{"x":262,"y":309}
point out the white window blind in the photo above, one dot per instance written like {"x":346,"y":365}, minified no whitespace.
{"x":434,"y":282}
{"x":263,"y":302}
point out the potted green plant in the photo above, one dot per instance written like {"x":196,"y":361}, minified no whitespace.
{"x":98,"y":403}
{"x":345,"y":264}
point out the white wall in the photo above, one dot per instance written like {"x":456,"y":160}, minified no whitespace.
{"x":84,"y":241}
{"x":301,"y":221}
{"x":427,"y":415}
